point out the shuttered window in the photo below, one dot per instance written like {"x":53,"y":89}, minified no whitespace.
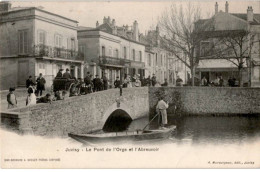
{"x":23,"y":41}
{"x":41,"y":37}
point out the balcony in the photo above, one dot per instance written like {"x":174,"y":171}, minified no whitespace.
{"x":55,"y":52}
{"x":112,"y":61}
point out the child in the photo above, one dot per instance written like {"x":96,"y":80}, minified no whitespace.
{"x":31,"y":98}
{"x":11,"y":98}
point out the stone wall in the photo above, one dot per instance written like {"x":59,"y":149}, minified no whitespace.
{"x":207,"y":100}
{"x":84,"y":113}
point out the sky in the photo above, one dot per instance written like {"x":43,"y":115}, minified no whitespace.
{"x":147,"y":13}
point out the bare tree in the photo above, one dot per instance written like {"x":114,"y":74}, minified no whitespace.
{"x":178,"y":24}
{"x":235,"y":46}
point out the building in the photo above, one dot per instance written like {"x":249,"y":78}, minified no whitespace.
{"x":212,"y":65}
{"x":165,"y":64}
{"x":113,"y":50}
{"x":36,"y":41}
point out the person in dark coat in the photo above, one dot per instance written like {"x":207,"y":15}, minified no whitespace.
{"x":117,"y":83}
{"x":97,"y":83}
{"x":165,"y":84}
{"x":45,"y":99}
{"x":59,"y":74}
{"x":105,"y":81}
{"x":154,"y":80}
{"x":29,"y":82}
{"x":67,"y":74}
{"x":40,"y":85}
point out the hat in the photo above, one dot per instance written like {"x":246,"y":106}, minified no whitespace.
{"x":61,"y":70}
{"x":67,"y":69}
{"x":11,"y":89}
{"x":48,"y":95}
{"x":117,"y":77}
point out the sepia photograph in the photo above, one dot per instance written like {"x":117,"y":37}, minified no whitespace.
{"x":130,"y":84}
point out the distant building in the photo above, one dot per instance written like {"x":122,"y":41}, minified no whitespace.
{"x":211,"y":66}
{"x":113,"y":50}
{"x":36,"y":41}
{"x":165,"y":64}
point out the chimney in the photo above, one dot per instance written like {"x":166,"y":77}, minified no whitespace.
{"x":126,"y":27}
{"x":109,"y":20}
{"x":97,"y":24}
{"x":135,"y":31}
{"x":226,"y":7}
{"x":5,"y":6}
{"x":216,"y":8}
{"x":250,"y":14}
{"x":104,"y":20}
{"x":113,"y":22}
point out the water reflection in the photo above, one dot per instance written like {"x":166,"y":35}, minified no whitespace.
{"x":209,"y":129}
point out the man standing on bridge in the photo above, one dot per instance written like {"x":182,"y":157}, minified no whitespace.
{"x":161,"y":109}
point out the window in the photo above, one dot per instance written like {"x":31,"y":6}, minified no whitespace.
{"x":116,"y":53}
{"x":133,"y":55}
{"x":140,"y":55}
{"x":149,"y":60}
{"x":41,"y":37}
{"x":110,"y":51}
{"x":82,"y":50}
{"x":204,"y":48}
{"x":103,"y":51}
{"x":156,"y":59}
{"x":58,"y":41}
{"x":73,"y":44}
{"x":161,"y":60}
{"x":125,"y":54}
{"x":23,"y":41}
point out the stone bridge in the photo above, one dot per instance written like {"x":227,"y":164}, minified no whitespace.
{"x":80,"y":114}
{"x":105,"y":109}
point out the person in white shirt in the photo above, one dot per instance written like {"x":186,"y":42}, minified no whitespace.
{"x":161,"y":109}
{"x":31,"y":98}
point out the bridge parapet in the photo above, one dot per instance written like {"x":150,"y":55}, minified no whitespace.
{"x":82,"y":114}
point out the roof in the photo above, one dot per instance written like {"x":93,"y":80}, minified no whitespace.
{"x":216,"y":63}
{"x":18,"y":9}
{"x":84,"y":28}
{"x":244,"y":17}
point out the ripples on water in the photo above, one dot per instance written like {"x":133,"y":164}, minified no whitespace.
{"x":209,"y":129}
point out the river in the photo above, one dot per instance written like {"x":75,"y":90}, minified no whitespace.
{"x":209,"y":129}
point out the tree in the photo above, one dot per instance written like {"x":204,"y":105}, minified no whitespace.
{"x":178,"y":26}
{"x":234,"y":46}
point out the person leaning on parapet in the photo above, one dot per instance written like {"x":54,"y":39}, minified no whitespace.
{"x":179,"y":81}
{"x":165,"y":84}
{"x":40,"y":84}
{"x":67,"y":74}
{"x":31,"y":98}
{"x":29,"y":82}
{"x":59,"y":74}
{"x":11,"y":98}
{"x":161,"y":109}
{"x":45,"y":99}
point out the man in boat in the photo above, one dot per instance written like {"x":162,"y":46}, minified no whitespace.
{"x":161,"y":109}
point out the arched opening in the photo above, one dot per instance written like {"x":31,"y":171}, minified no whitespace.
{"x":119,"y":120}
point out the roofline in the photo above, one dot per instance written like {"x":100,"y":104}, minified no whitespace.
{"x":34,"y":8}
{"x":113,"y":35}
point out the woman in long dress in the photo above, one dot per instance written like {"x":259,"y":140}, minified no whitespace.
{"x":31,"y":98}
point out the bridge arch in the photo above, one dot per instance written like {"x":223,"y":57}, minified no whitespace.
{"x":116,"y":118}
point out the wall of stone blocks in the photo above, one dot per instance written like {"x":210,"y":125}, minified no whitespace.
{"x":207,"y":100}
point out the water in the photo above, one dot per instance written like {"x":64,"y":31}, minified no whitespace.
{"x":209,"y":129}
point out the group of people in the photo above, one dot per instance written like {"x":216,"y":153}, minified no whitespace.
{"x":34,"y":90}
{"x":218,"y":82}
